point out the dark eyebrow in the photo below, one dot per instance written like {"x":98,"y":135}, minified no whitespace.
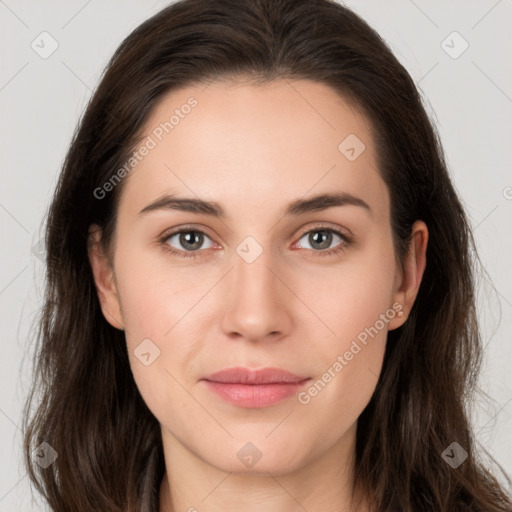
{"x":297,"y":207}
{"x":324,"y":201}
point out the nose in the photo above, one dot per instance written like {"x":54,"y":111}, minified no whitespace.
{"x":259,"y":301}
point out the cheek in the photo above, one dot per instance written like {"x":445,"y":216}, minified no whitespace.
{"x":151,"y":304}
{"x":351,"y":297}
{"x":154,"y":295}
{"x":159,"y":357}
{"x":354,"y":305}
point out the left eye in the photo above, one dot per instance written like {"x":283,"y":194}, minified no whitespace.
{"x":322,"y":238}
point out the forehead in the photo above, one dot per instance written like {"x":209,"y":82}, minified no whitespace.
{"x":254,"y":146}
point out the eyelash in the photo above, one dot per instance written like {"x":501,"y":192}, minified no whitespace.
{"x":346,"y":241}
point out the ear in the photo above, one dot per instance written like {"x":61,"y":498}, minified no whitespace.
{"x":408,"y":278}
{"x":104,"y":278}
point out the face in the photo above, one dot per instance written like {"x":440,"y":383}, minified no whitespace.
{"x":312,"y":290}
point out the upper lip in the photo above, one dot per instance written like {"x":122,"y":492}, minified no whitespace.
{"x":240,"y":375}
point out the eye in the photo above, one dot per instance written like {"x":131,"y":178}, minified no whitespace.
{"x":188,"y":241}
{"x":321,"y":238}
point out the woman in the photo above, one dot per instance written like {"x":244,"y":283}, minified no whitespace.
{"x":254,"y":368}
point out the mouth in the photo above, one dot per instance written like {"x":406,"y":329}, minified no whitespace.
{"x":249,"y":388}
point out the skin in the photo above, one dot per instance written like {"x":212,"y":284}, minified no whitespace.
{"x":255,"y":149}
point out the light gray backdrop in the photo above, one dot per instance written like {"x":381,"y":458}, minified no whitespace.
{"x":44,"y":88}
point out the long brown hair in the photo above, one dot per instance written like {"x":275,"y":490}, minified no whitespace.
{"x":89,"y":410}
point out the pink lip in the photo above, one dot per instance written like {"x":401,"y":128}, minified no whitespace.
{"x":254,"y":388}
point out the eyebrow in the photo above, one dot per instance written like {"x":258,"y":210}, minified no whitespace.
{"x":297,"y":207}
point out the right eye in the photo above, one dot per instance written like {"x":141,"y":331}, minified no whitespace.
{"x":189,"y":240}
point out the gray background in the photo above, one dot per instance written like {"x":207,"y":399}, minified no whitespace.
{"x":41,"y":99}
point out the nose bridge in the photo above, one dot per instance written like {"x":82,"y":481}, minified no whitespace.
{"x":253,"y":278}
{"x":256,"y":306}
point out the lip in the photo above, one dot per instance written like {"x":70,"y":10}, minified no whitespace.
{"x":249,"y":388}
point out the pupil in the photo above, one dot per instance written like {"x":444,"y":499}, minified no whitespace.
{"x":325,"y":238}
{"x":189,"y":237}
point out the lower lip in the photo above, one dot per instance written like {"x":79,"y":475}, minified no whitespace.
{"x":255,"y":395}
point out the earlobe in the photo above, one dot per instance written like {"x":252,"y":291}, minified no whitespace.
{"x":413,"y":269}
{"x":104,"y":279}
